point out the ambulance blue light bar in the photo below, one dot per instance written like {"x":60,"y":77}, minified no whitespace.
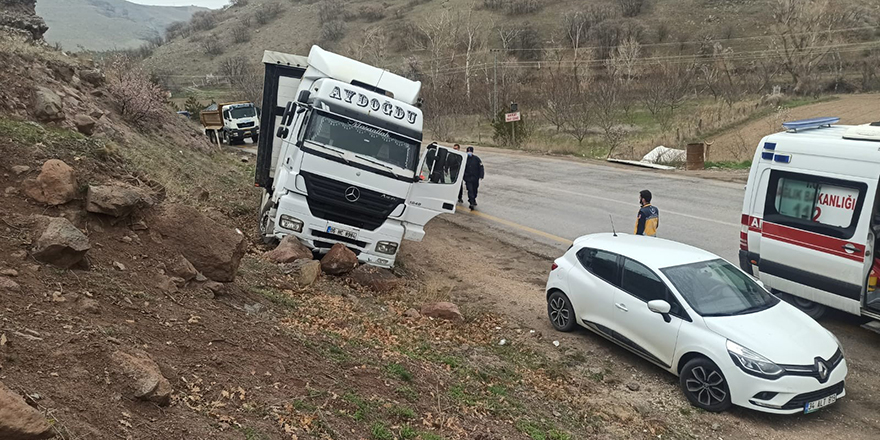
{"x":809,"y":124}
{"x":782,"y":158}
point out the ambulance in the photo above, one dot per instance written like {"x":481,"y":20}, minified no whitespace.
{"x":811,"y":217}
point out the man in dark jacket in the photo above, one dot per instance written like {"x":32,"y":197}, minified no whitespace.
{"x":473,"y":173}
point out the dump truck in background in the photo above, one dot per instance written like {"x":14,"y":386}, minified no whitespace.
{"x":231,"y":122}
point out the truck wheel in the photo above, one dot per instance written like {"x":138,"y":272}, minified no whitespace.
{"x":266,"y":223}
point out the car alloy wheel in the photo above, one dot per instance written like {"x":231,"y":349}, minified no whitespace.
{"x":704,"y":385}
{"x":560,"y":312}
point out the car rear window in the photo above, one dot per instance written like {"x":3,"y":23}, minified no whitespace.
{"x":601,"y":263}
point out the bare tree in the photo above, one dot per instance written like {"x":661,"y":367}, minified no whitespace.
{"x":245,"y":78}
{"x":666,"y":89}
{"x":631,"y":8}
{"x":372,"y":47}
{"x":472,"y":37}
{"x":608,"y":113}
{"x":804,"y":35}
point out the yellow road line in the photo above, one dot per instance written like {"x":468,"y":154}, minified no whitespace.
{"x":516,"y":226}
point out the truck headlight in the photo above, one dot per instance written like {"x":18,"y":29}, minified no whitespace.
{"x":288,"y":222}
{"x":753,"y":363}
{"x":386,"y":247}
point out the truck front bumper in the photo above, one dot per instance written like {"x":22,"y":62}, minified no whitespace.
{"x":244,"y":133}
{"x":319,"y":234}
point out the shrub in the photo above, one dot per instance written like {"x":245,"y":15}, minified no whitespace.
{"x":203,"y":21}
{"x":193,"y":106}
{"x":178,"y":29}
{"x":331,"y":10}
{"x":238,"y":3}
{"x":267,"y":12}
{"x":333,"y":30}
{"x":631,"y":8}
{"x":212,"y":46}
{"x":371,"y":13}
{"x":503,"y":133}
{"x":241,"y":34}
{"x":139,"y":101}
{"x":522,"y":7}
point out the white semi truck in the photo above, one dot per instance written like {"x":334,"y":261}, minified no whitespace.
{"x":341,"y":158}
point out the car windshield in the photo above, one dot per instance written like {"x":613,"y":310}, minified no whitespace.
{"x":716,"y":288}
{"x":364,"y":140}
{"x":243,"y":112}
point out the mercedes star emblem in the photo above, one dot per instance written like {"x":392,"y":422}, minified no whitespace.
{"x":352,"y":194}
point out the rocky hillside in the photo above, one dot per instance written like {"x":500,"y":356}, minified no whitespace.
{"x":101,"y":25}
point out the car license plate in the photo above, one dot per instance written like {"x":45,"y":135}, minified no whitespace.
{"x":342,"y":232}
{"x":817,"y":404}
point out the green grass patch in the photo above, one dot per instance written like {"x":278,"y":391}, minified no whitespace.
{"x":498,"y":390}
{"x":381,"y":432}
{"x":402,"y":412}
{"x":277,"y":297}
{"x":363,"y":407}
{"x":541,"y":431}
{"x":398,"y":371}
{"x":429,"y":436}
{"x":730,"y":165}
{"x":407,"y":432}
{"x":407,"y":393}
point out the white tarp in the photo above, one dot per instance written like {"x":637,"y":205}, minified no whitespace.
{"x":663,"y":155}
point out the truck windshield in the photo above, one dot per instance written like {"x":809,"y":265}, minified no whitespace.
{"x":716,"y":288}
{"x":243,"y":112}
{"x":362,"y":139}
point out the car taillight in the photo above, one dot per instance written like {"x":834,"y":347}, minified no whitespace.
{"x":554,"y":267}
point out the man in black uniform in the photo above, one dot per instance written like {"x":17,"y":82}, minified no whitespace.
{"x":473,"y":173}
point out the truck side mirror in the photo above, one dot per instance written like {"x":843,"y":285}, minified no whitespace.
{"x":303,"y":97}
{"x":282,"y":132}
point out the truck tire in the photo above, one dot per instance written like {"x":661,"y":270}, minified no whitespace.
{"x":266,"y":222}
{"x":212,"y":136}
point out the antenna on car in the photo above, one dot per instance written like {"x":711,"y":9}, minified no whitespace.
{"x":612,"y":225}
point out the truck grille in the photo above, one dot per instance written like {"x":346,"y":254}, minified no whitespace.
{"x":245,"y":124}
{"x":327,"y":200}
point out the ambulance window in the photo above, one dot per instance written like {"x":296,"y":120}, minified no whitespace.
{"x":818,"y":204}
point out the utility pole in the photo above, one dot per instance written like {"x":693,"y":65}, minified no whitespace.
{"x":495,"y":86}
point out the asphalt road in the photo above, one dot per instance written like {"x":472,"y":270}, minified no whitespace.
{"x":556,"y":200}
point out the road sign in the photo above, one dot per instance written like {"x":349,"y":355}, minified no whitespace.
{"x":511,"y":117}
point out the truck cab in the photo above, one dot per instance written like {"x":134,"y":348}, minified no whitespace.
{"x":241,"y":121}
{"x":811,"y":216}
{"x":346,"y":163}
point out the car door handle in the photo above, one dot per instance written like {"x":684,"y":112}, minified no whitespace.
{"x":850,"y":248}
{"x":621,"y":306}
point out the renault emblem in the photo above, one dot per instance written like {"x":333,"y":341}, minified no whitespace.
{"x":822,"y":369}
{"x":352,"y":194}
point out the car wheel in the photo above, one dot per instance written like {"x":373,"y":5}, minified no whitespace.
{"x":812,"y":309}
{"x":560,"y":312}
{"x":704,"y":385}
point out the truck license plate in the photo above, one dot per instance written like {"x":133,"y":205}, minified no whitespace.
{"x":817,"y":404}
{"x":342,"y":232}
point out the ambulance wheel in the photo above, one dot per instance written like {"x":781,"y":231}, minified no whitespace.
{"x":812,"y":309}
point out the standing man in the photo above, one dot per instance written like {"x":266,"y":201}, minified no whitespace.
{"x":649,"y":216}
{"x":473,"y":173}
{"x":457,"y":147}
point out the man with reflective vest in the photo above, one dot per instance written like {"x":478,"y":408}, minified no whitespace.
{"x":649,"y":216}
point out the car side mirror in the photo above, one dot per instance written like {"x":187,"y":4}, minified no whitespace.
{"x":662,"y":307}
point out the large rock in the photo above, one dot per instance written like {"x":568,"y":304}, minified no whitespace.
{"x":48,"y":106}
{"x":181,"y":267}
{"x":375,"y":278}
{"x":20,"y":17}
{"x":56,"y":184}
{"x":92,"y":76}
{"x":145,"y":379}
{"x":85,"y":124}
{"x":442,"y":310}
{"x":213,"y":249}
{"x":339,"y":260}
{"x":304,"y":271}
{"x":7,"y":285}
{"x":289,"y":250}
{"x":117,"y":200}
{"x":58,"y":242}
{"x":18,"y":421}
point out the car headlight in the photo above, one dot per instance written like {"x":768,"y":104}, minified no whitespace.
{"x":293,"y":224}
{"x":753,"y":363}
{"x":839,"y":345}
{"x":386,"y":247}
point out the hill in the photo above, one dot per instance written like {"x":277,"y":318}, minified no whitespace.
{"x":107,"y":24}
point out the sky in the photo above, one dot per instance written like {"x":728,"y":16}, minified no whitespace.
{"x":213,"y":4}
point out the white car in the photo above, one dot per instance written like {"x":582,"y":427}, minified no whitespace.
{"x":687,"y":310}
